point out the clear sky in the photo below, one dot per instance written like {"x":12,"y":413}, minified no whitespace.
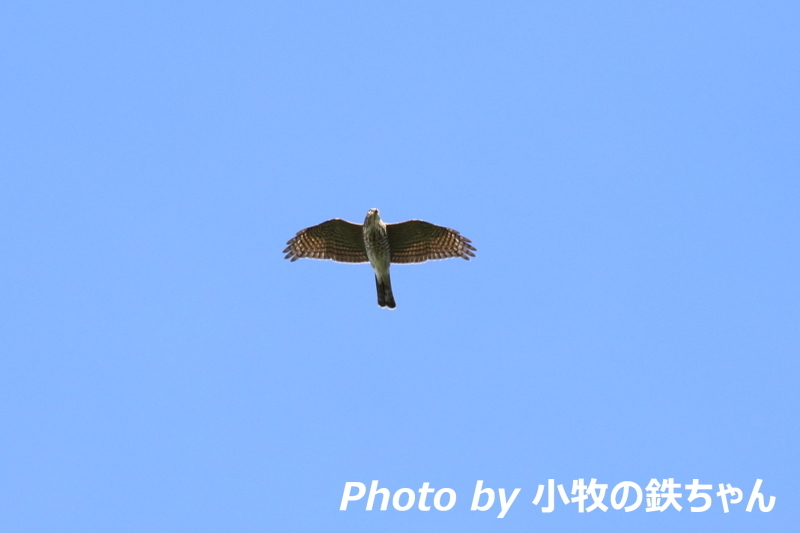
{"x":627,"y":170}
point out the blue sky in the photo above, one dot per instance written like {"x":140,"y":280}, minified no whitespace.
{"x":628,"y":172}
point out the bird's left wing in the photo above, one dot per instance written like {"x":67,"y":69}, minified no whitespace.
{"x":336,"y":239}
{"x":416,"y":241}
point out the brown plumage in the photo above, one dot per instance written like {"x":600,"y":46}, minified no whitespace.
{"x":337,"y":239}
{"x":413,"y":241}
{"x":417,"y":241}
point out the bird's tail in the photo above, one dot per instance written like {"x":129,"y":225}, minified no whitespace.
{"x":385,"y":296}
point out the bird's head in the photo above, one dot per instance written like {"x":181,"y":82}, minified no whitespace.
{"x":373,"y":216}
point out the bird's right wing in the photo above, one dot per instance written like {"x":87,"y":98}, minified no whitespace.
{"x":336,"y":239}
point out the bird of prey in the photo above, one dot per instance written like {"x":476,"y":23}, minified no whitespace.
{"x":380,"y":244}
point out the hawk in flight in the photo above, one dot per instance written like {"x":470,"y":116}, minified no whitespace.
{"x":380,"y":244}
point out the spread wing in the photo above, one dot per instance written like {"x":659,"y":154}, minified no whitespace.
{"x":335,"y":239}
{"x":416,"y":241}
